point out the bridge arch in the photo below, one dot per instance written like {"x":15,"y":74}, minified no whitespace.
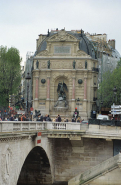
{"x":36,"y":168}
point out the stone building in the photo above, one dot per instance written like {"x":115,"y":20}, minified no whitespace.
{"x":106,"y":53}
{"x":64,"y":74}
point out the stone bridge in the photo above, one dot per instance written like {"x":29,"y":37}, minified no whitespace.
{"x":33,"y":153}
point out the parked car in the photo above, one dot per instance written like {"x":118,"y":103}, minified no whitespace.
{"x":103,"y":117}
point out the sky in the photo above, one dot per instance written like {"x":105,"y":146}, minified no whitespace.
{"x":21,"y":21}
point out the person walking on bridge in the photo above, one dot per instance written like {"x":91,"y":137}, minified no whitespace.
{"x":11,"y":118}
{"x":59,"y":118}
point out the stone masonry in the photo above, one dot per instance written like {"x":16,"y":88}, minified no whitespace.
{"x":56,"y":159}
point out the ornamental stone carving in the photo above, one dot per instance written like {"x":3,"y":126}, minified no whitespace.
{"x":43,"y":65}
{"x":82,"y":53}
{"x":43,"y":53}
{"x":62,"y":36}
{"x":6,"y":164}
{"x":62,"y":65}
{"x":80,"y":65}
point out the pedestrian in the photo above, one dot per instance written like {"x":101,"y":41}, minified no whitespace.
{"x":40,"y":117}
{"x":45,"y":117}
{"x":78,"y":120}
{"x":59,"y":118}
{"x":11,"y":118}
{"x":48,"y":118}
{"x":56,"y":119}
{"x":53,"y":120}
{"x":73,"y":120}
{"x":22,"y":117}
{"x":19,"y":118}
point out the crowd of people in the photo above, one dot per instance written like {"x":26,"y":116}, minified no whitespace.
{"x":40,"y":117}
{"x":58,"y":119}
{"x":47,"y":118}
{"x":22,"y":117}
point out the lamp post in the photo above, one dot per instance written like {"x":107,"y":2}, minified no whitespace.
{"x":28,"y":77}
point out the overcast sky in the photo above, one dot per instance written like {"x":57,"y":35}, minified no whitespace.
{"x":21,"y":21}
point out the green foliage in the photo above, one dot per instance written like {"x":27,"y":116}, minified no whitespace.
{"x":119,"y":63}
{"x":105,"y":91}
{"x":10,"y":73}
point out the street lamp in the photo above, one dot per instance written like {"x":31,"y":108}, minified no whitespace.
{"x":28,"y":77}
{"x":78,"y":100}
{"x":115,"y":92}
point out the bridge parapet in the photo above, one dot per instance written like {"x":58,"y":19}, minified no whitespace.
{"x":9,"y":126}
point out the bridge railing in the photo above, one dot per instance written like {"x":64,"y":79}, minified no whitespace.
{"x":104,"y":122}
{"x":11,"y":126}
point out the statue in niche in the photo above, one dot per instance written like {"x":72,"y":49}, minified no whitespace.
{"x":74,"y":64}
{"x":48,"y":64}
{"x":36,"y":113}
{"x":37,"y":64}
{"x":61,"y":102}
{"x":85,"y":64}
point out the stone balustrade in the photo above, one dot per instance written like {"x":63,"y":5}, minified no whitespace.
{"x":9,"y":126}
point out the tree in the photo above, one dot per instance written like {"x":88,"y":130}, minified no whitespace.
{"x":10,"y":73}
{"x":105,"y":91}
{"x":119,"y":63}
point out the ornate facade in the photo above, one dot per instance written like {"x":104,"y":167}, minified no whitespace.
{"x":67,"y":59}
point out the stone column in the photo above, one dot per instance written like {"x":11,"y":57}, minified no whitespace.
{"x":36,"y":92}
{"x":48,"y":88}
{"x":73,"y":89}
{"x":36,"y":88}
{"x":48,"y":95}
{"x":85,"y":102}
{"x":85,"y":88}
{"x":73,"y":95}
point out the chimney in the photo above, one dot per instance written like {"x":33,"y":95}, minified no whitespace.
{"x":112,"y":43}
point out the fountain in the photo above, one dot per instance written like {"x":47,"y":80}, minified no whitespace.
{"x":61,"y":104}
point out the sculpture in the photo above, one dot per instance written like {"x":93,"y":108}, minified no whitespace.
{"x":85,"y":64}
{"x":37,"y":64}
{"x":36,"y":113}
{"x":62,"y":87}
{"x":60,"y":90}
{"x":48,"y":64}
{"x":74,"y":63}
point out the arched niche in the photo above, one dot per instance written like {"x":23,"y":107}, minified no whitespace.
{"x":60,"y":79}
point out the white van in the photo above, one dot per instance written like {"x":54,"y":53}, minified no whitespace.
{"x":103,"y":117}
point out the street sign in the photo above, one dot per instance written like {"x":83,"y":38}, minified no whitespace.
{"x":115,"y":109}
{"x":31,"y":109}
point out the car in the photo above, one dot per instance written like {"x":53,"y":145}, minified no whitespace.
{"x":103,"y":117}
{"x":84,"y":122}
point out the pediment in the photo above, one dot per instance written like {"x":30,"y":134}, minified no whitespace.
{"x":62,"y":36}
{"x":82,"y":53}
{"x":43,"y":53}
